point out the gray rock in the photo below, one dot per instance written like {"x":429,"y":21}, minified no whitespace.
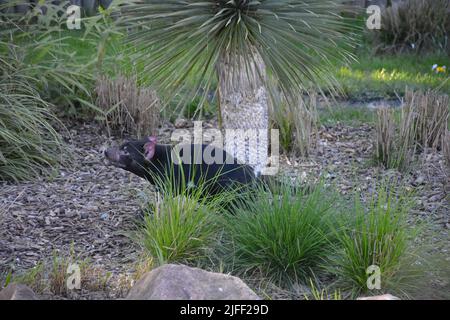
{"x":178,"y":282}
{"x":182,"y":123}
{"x":382,"y":297}
{"x":17,"y":292}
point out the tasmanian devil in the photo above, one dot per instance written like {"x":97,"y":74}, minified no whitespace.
{"x":188,"y":165}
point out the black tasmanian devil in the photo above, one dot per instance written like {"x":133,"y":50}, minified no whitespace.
{"x":188,"y":163}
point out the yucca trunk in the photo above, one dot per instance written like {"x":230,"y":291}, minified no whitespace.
{"x":244,"y":108}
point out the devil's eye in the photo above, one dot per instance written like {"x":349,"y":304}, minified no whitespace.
{"x":125,"y":150}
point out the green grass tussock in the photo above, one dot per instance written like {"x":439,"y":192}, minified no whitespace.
{"x":29,"y":145}
{"x":281,"y":234}
{"x":377,"y":234}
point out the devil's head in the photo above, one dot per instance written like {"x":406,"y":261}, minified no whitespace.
{"x":133,"y":156}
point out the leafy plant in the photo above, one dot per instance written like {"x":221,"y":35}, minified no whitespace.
{"x":65,"y":62}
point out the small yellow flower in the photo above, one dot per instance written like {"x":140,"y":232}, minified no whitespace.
{"x":439,"y":69}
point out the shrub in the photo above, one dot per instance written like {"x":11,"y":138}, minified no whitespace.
{"x":127,"y":108}
{"x":57,"y":277}
{"x":417,"y":25}
{"x":282,"y":234}
{"x":378,"y":235}
{"x":92,"y":278}
{"x":52,"y":274}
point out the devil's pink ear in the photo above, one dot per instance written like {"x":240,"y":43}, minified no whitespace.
{"x":150,"y":148}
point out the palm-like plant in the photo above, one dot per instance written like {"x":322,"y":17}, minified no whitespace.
{"x":237,"y":47}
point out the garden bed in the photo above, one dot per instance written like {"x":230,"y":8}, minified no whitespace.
{"x":90,"y":206}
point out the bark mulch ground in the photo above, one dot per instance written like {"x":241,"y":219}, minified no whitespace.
{"x":90,"y":206}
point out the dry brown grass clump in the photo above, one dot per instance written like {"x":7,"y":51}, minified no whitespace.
{"x":422,"y":126}
{"x":296,"y":122}
{"x":394,"y":146}
{"x":430,"y":113}
{"x":143,"y":265}
{"x":414,"y":25}
{"x":127,"y":108}
{"x":385,"y":136}
{"x":51,"y":276}
{"x":446,"y":147}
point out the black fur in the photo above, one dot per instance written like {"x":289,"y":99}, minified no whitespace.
{"x":131,"y":156}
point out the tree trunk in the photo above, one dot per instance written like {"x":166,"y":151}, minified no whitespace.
{"x":244,"y":109}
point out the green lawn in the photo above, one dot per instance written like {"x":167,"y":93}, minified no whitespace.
{"x":346,"y":115}
{"x":370,"y":77}
{"x":386,"y":76}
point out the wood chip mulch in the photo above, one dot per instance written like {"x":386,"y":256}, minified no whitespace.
{"x":90,"y":206}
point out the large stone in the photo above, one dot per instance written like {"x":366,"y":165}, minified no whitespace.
{"x":178,"y":282}
{"x":382,"y":297}
{"x":17,"y":292}
{"x":182,"y":123}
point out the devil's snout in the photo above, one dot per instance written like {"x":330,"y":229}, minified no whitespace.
{"x":112,"y":154}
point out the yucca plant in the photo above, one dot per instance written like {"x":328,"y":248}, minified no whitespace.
{"x":233,"y":48}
